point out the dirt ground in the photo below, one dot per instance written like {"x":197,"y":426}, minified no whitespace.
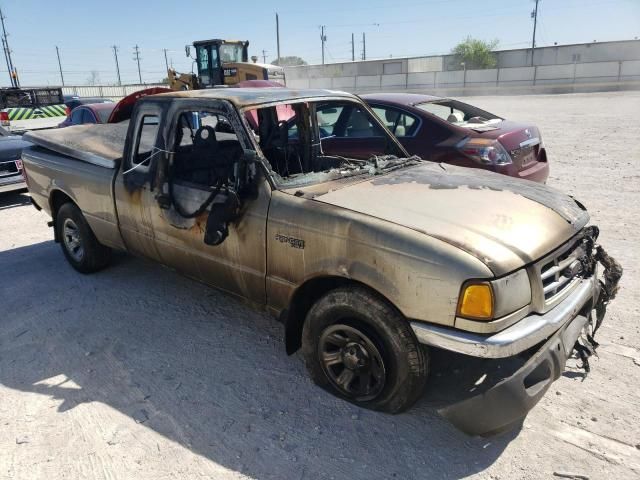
{"x":138,"y":372}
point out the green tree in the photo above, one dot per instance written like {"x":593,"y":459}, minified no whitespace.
{"x":476,"y":54}
{"x":291,"y":61}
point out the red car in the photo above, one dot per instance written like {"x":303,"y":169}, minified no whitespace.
{"x":450,"y":131}
{"x":89,"y":113}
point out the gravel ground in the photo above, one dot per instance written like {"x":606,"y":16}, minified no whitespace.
{"x":137,"y":372}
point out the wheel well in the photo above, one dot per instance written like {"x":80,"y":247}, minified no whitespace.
{"x":56,"y":200}
{"x":302,"y":301}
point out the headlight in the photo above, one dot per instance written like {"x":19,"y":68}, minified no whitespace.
{"x":488,"y":300}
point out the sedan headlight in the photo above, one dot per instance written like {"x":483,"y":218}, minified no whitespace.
{"x":487,"y":300}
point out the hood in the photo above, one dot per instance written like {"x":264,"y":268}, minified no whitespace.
{"x":504,"y":222}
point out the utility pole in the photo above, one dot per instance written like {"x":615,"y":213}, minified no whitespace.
{"x":13,"y":74}
{"x":278,"y":36}
{"x":4,"y":49}
{"x":166,"y":62}
{"x":264,"y":56}
{"x":136,"y":58}
{"x":60,"y":65}
{"x":364,"y":46}
{"x":323,"y":38}
{"x":115,"y":54}
{"x":534,"y":15}
{"x":353,"y":48}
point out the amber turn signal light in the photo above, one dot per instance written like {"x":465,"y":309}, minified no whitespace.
{"x":476,"y":302}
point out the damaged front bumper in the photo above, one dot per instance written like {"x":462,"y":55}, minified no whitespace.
{"x":506,"y":404}
{"x":569,"y":327}
{"x":526,"y":333}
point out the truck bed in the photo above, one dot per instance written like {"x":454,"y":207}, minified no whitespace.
{"x":101,"y":145}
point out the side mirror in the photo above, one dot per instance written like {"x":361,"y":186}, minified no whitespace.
{"x":224,"y":210}
{"x":187,"y":50}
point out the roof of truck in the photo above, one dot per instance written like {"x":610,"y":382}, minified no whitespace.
{"x":243,"y":97}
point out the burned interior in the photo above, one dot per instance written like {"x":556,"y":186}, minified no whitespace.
{"x":300,"y":139}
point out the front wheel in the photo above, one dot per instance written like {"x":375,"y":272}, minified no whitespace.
{"x":79,"y":244}
{"x":361,"y":349}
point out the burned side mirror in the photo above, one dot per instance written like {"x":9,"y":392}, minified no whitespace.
{"x":224,"y":210}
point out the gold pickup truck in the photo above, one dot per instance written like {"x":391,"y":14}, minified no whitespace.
{"x":370,"y":260}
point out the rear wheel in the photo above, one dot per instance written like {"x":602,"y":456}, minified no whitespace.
{"x":359,"y":348}
{"x":79,"y":244}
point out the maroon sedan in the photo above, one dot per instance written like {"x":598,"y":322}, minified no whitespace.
{"x":449,"y":131}
{"x":89,"y":113}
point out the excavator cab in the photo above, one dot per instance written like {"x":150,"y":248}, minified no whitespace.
{"x":218,"y":60}
{"x":223,"y":62}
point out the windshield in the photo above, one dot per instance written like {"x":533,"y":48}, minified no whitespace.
{"x":459,"y":113}
{"x":231,"y":53}
{"x":315,"y":142}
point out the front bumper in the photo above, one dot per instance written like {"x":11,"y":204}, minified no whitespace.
{"x":517,"y":338}
{"x":505,"y":405}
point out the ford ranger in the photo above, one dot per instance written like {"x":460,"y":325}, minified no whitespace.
{"x":370,"y":259}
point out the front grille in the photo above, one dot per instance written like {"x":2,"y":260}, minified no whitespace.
{"x":559,"y":272}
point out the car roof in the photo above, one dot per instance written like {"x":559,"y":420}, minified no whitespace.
{"x":407,"y":99}
{"x":243,"y":97}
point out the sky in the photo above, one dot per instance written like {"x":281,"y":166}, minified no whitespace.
{"x":86,"y":30}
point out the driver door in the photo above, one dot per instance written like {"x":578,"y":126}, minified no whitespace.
{"x":200,"y":139}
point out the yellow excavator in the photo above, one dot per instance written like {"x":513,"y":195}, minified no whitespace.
{"x":223,"y":62}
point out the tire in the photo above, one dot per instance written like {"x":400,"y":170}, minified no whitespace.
{"x":352,"y":329}
{"x":79,"y":244}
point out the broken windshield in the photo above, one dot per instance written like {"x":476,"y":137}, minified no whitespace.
{"x":314,"y":142}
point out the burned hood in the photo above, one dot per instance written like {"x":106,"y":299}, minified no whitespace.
{"x":504,"y":222}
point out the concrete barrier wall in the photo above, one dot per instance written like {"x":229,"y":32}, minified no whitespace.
{"x":105,"y":91}
{"x":630,"y":70}
{"x":612,"y":74}
{"x":349,"y":77}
